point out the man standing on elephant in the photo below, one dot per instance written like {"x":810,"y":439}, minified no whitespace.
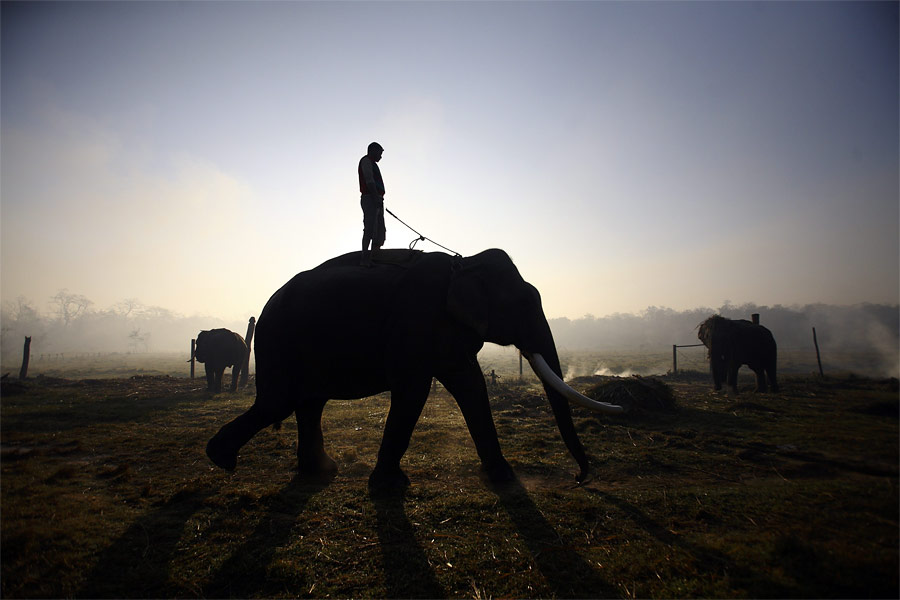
{"x":371,"y":188}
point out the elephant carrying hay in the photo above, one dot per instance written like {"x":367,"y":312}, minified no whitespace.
{"x":340,"y":331}
{"x":217,"y":349}
{"x":733,"y":343}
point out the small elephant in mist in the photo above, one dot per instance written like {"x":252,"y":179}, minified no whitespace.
{"x":217,"y":349}
{"x":341,"y":331}
{"x":735,"y":342}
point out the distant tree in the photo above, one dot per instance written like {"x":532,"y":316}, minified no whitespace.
{"x":22,"y":311}
{"x":127,"y":306}
{"x":157,"y":312}
{"x":138,"y":340}
{"x":69,"y":307}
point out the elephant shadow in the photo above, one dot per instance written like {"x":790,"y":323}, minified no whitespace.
{"x":759,"y":585}
{"x":244,"y":573}
{"x":407,"y":572}
{"x":139,"y":558}
{"x":566,"y":572}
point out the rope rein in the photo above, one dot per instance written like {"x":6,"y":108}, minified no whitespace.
{"x":421,"y":237}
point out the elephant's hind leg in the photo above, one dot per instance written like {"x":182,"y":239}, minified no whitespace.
{"x":235,"y":376}
{"x":773,"y":382}
{"x":760,"y":380}
{"x":222,"y":449}
{"x":312,"y":460}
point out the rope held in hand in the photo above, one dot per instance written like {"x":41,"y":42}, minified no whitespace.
{"x":421,"y":237}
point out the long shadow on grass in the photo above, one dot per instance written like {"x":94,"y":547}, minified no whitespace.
{"x":407,"y":573}
{"x":88,"y":413}
{"x":707,"y":559}
{"x":137,"y":563}
{"x":244,"y":573}
{"x":566,"y":572}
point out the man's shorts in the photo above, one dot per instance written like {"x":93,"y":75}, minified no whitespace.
{"x":373,"y":219}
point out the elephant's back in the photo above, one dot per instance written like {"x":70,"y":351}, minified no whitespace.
{"x":338,"y":299}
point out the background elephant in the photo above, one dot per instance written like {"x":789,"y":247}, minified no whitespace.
{"x":217,"y":349}
{"x":340,"y":331}
{"x":733,"y":343}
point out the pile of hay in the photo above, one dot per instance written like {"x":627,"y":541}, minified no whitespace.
{"x":633,"y":393}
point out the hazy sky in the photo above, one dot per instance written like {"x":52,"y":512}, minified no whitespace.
{"x":195,"y":156}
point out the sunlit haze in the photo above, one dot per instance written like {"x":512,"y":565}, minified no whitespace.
{"x":195,"y":156}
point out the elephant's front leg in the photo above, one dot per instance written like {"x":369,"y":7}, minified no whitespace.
{"x":733,"y":368}
{"x":210,"y":378}
{"x":470,"y":391}
{"x":407,"y":401}
{"x":220,"y":375}
{"x":312,"y":460}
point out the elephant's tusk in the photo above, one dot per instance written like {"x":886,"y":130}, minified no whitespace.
{"x":543,"y":370}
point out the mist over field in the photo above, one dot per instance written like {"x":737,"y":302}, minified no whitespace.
{"x":72,"y":326}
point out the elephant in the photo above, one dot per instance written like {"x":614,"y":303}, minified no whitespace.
{"x":220,"y":348}
{"x":341,"y":331}
{"x":732,"y":343}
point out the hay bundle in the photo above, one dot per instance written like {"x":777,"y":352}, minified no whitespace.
{"x":633,"y":393}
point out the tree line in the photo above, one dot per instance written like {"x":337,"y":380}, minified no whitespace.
{"x":74,"y":325}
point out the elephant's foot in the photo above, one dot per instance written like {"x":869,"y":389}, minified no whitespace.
{"x":321,"y":468}
{"x":221,"y":454}
{"x":387,"y":480}
{"x":499,"y":472}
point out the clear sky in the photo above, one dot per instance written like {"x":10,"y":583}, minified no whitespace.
{"x":196,"y":155}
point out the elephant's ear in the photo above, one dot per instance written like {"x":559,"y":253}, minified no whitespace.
{"x":467,"y":301}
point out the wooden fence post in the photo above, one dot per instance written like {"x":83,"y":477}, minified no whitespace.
{"x":755,"y":318}
{"x":26,"y":356}
{"x":520,"y":365}
{"x":674,"y":359}
{"x":193,"y":348}
{"x":818,"y":357}
{"x":245,"y":372}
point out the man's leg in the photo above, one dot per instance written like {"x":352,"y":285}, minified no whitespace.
{"x":378,"y":230}
{"x":366,"y":260}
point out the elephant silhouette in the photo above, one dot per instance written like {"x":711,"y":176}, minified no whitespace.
{"x":733,"y":343}
{"x":217,"y":349}
{"x":340,"y":331}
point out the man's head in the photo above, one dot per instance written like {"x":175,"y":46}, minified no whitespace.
{"x":374,"y":151}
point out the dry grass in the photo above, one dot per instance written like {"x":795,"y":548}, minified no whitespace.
{"x":106,"y":492}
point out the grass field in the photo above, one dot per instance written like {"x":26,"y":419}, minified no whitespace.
{"x":106,"y":492}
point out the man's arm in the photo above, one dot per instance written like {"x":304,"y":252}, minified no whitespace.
{"x":369,"y":176}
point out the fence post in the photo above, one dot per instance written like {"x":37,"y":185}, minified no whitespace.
{"x":674,"y":359}
{"x":245,"y":372}
{"x":755,"y":318}
{"x":193,"y":348}
{"x":818,"y":358}
{"x":26,"y":355}
{"x":520,"y":365}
